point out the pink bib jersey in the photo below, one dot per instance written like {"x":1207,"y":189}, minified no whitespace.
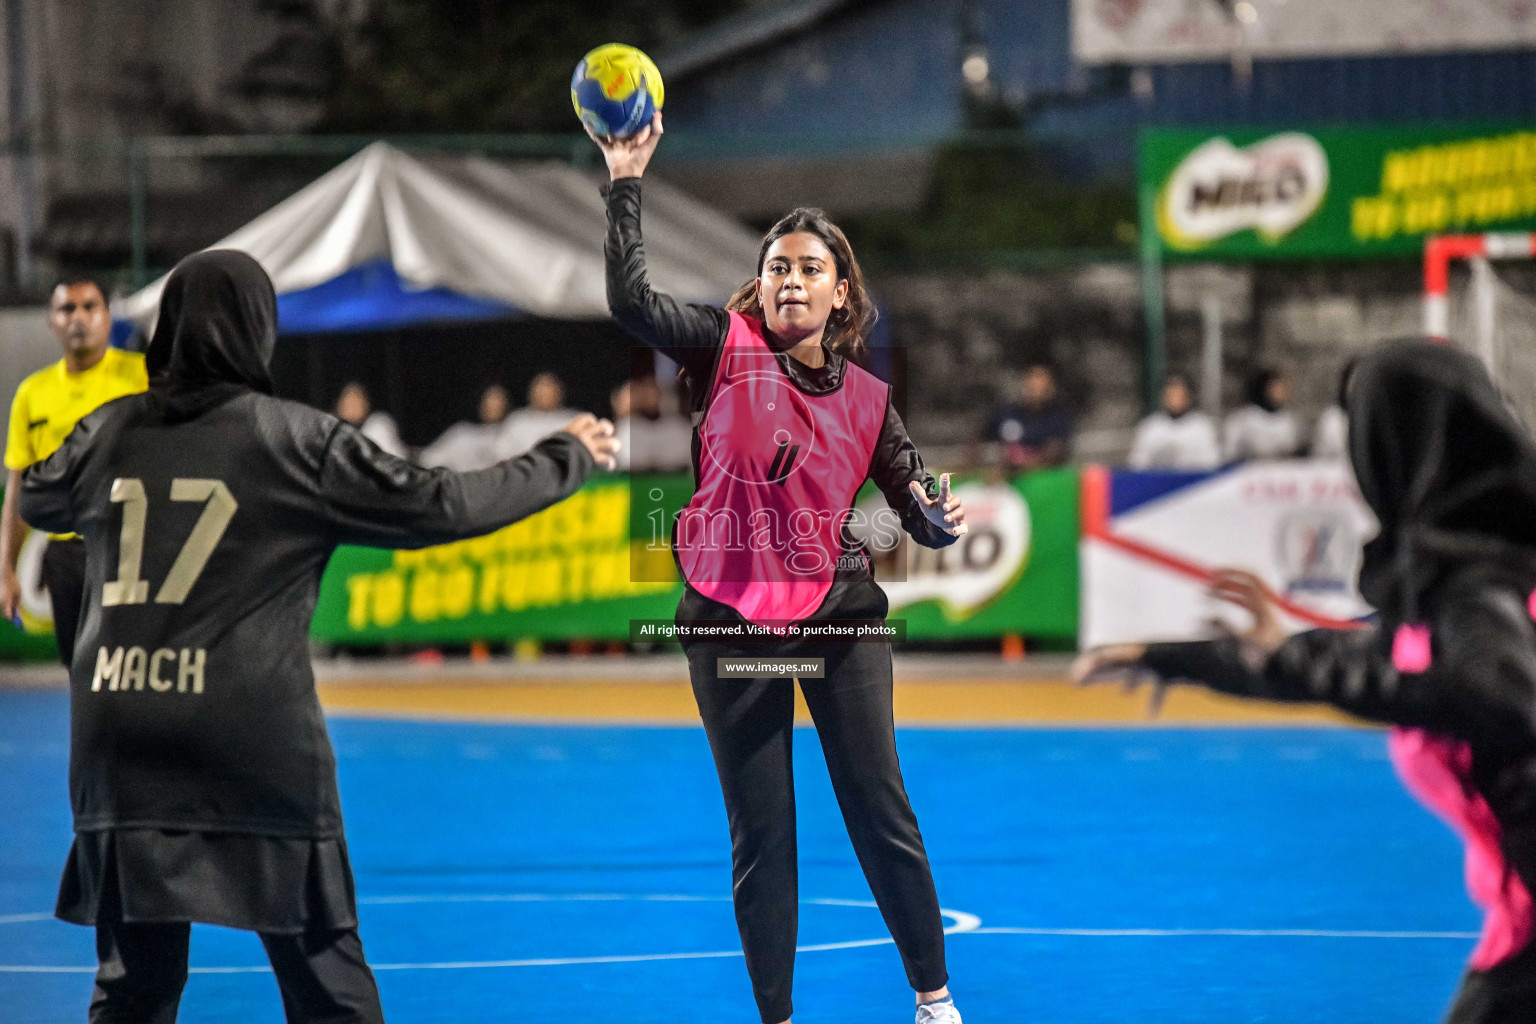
{"x":778,"y":474}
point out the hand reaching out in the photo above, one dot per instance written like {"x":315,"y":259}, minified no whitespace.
{"x":945,"y":511}
{"x":1111,"y":660}
{"x":1257,"y":643}
{"x":1120,"y":662}
{"x":1248,"y":592}
{"x":598,"y":436}
{"x":627,"y":158}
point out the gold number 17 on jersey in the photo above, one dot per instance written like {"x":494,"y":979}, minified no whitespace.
{"x":128,"y":588}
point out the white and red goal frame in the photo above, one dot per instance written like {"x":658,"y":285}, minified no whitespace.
{"x":1440,"y":251}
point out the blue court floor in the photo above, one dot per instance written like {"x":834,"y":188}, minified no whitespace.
{"x":532,"y":873}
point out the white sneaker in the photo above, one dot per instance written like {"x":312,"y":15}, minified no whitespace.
{"x":941,"y":1012}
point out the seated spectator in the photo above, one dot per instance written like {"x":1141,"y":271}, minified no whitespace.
{"x":663,"y":441}
{"x":1330,"y":437}
{"x":1264,"y":428}
{"x":1177,"y":436}
{"x":544,"y":414}
{"x":1035,"y":431}
{"x":469,"y":446}
{"x":623,"y":426}
{"x":377,"y":426}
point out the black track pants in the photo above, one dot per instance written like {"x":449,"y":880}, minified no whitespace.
{"x":750,"y":723}
{"x":64,"y":576}
{"x":143,"y":968}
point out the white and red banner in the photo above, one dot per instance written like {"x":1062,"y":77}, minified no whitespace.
{"x":1151,"y":541}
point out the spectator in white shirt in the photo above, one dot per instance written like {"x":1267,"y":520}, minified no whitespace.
{"x":623,"y":425}
{"x":1264,"y":428}
{"x":1330,"y":437}
{"x":465,"y":447}
{"x":544,"y":414}
{"x":1178,"y":436}
{"x":658,"y":441}
{"x":379,"y":427}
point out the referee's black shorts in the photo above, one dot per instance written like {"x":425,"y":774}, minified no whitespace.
{"x":64,"y":576}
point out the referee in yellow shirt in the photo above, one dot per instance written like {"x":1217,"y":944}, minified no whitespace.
{"x":47,"y":406}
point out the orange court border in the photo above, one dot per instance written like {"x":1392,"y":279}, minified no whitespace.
{"x":1001,"y":698}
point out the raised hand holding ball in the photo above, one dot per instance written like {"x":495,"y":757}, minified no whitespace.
{"x":616,"y":91}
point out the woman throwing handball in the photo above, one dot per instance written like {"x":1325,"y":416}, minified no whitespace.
{"x":787,"y":428}
{"x":1452,"y":478}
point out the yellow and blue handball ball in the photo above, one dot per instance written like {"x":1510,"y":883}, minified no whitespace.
{"x":616,"y":89}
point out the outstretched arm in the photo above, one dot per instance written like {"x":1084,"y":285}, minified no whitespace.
{"x":378,"y":500}
{"x":1480,"y":687}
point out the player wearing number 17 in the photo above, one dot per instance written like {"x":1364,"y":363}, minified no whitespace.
{"x":201,"y":777}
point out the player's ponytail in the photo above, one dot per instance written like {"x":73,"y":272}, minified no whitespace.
{"x":847,"y":327}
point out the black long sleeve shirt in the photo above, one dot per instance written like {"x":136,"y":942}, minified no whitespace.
{"x":1480,"y":687}
{"x":693,"y":336}
{"x":193,"y":702}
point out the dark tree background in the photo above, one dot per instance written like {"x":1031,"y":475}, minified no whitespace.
{"x":444,"y":66}
{"x":452,"y":65}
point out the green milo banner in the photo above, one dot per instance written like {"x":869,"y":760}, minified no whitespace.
{"x":1014,"y":571}
{"x":1335,"y":192}
{"x":586,"y":567}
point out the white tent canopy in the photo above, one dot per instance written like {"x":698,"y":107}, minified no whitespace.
{"x":529,"y":235}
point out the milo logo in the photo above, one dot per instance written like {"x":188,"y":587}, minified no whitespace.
{"x":1271,"y":187}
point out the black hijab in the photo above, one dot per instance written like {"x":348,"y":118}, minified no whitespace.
{"x":215,"y":335}
{"x":1448,"y":470}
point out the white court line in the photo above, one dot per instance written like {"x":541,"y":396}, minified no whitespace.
{"x":1255,"y":933}
{"x":963,"y":923}
{"x":539,"y":897}
{"x":463,"y":965}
